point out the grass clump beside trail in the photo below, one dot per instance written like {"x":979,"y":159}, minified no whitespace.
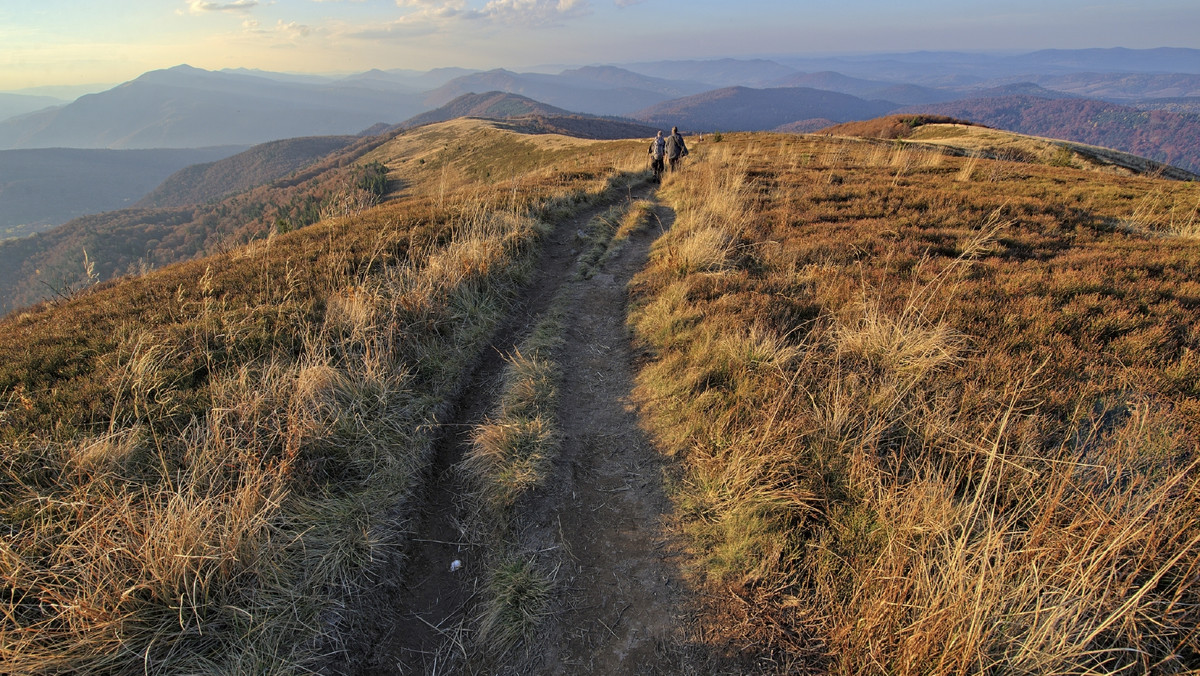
{"x":928,"y":424}
{"x":511,"y":455}
{"x":198,"y":465}
{"x":510,"y":451}
{"x":608,"y":233}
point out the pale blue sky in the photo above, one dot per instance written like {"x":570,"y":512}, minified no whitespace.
{"x":51,"y":42}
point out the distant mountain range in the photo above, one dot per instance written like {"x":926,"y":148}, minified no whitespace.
{"x":1141,"y":101}
{"x":593,"y":90}
{"x":961,"y":69}
{"x":746,"y":109}
{"x":12,"y":105}
{"x":186,"y":107}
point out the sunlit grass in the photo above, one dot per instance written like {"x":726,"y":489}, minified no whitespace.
{"x":201,"y":465}
{"x":930,"y":423}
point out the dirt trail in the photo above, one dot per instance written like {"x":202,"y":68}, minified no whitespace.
{"x":599,"y":517}
{"x":620,"y":612}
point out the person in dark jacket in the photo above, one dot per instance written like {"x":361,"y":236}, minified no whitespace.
{"x":658,"y":149}
{"x":676,"y":148}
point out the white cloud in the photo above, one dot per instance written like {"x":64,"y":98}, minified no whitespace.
{"x":288,"y":30}
{"x":201,"y":6}
{"x":534,"y":12}
{"x":510,"y":12}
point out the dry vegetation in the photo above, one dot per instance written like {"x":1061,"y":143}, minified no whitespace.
{"x":933,"y":414}
{"x":200,"y":464}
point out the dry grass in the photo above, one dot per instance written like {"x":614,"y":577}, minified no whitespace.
{"x":1171,"y":214}
{"x":929,"y":425}
{"x":201,"y":464}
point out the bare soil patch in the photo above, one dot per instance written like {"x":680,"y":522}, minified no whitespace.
{"x":623,"y":606}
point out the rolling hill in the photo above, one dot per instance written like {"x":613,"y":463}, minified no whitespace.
{"x":980,"y":141}
{"x":531,"y":117}
{"x":264,"y":163}
{"x":1160,"y":135}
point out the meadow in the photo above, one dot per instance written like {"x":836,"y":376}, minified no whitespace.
{"x":202,"y":463}
{"x":933,"y":414}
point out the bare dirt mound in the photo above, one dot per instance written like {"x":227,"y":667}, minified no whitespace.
{"x":619,"y":598}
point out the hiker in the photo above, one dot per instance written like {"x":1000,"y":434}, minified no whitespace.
{"x":676,"y":148}
{"x":658,"y":148}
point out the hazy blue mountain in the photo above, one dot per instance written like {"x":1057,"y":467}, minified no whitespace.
{"x":868,"y":89}
{"x":299,"y":78}
{"x":186,"y":107}
{"x":957,"y":69}
{"x":42,"y":188}
{"x":1015,"y":89}
{"x":64,"y":93}
{"x":12,"y":105}
{"x":594,"y":90}
{"x":612,"y":77}
{"x":747,"y":109}
{"x":1122,"y":87}
{"x":717,"y":72}
{"x":408,"y":80}
{"x":1115,"y":59}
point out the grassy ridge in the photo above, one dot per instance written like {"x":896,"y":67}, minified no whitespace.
{"x":196,"y":463}
{"x":937,"y":415}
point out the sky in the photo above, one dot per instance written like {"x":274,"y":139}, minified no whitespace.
{"x":66,"y":42}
